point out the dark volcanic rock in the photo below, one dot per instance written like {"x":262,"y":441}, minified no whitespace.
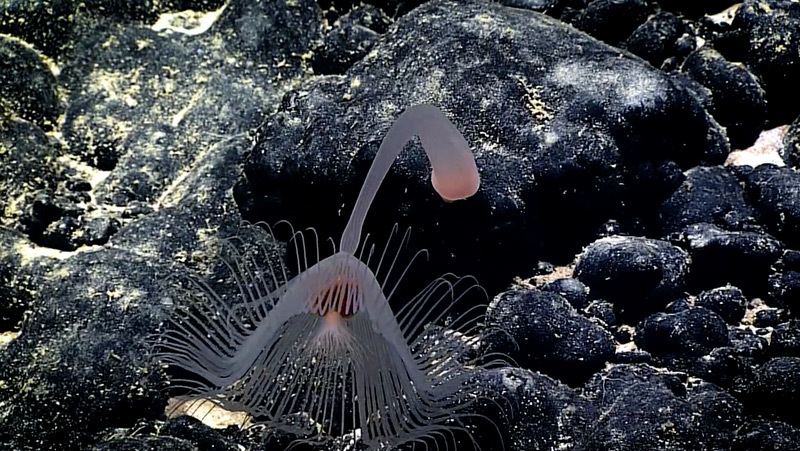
{"x":197,"y":104}
{"x":269,"y":31}
{"x":17,"y":294}
{"x":641,"y":408}
{"x":638,"y":275}
{"x":83,"y":346}
{"x":82,"y":364}
{"x":46,"y":24}
{"x":746,"y":343}
{"x":48,"y":207}
{"x":720,"y":257}
{"x":785,"y":340}
{"x":724,"y":365}
{"x":690,"y":333}
{"x":762,"y":435}
{"x":197,"y":97}
{"x":774,"y":389}
{"x":655,"y":40}
{"x":633,"y":357}
{"x":738,"y":102}
{"x":767,"y":318}
{"x":27,"y":85}
{"x":190,"y":431}
{"x":790,"y":150}
{"x":546,"y":413}
{"x":141,"y":10}
{"x":352,"y":37}
{"x":694,"y":9}
{"x":146,"y":10}
{"x":82,"y":352}
{"x":27,"y":164}
{"x":196,"y":5}
{"x":553,"y":165}
{"x":790,"y":260}
{"x":134,"y":130}
{"x":541,"y":331}
{"x":99,"y":124}
{"x":697,"y":341}
{"x":612,"y":21}
{"x":720,"y":414}
{"x":772,"y":51}
{"x":709,"y":194}
{"x":728,"y":302}
{"x":650,"y":184}
{"x":98,"y":229}
{"x":61,"y":234}
{"x":776,"y":196}
{"x":134,"y":177}
{"x":570,"y":289}
{"x":172,"y":111}
{"x":678,"y":305}
{"x":552,"y":7}
{"x":784,"y":290}
{"x":602,"y":310}
{"x":721,"y":366}
{"x":61,"y":221}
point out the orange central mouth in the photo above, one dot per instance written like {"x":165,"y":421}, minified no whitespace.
{"x":332,"y":317}
{"x":339,"y":296}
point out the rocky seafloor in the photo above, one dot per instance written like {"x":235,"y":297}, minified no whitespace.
{"x":637,"y":230}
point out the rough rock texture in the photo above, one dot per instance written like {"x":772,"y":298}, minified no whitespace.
{"x":542,"y":331}
{"x":569,"y":120}
{"x":728,"y":302}
{"x":769,"y":31}
{"x":693,"y":332}
{"x":27,"y":86}
{"x":28,"y":161}
{"x":720,"y":256}
{"x":697,"y":341}
{"x":656,"y":39}
{"x":570,"y":289}
{"x":708,"y":194}
{"x":45,"y":24}
{"x":352,"y":37}
{"x":694,"y":9}
{"x":790,"y":150}
{"x":100,"y":307}
{"x":761,"y":435}
{"x":774,"y":388}
{"x":136,"y":135}
{"x":546,"y":412}
{"x":638,"y":275}
{"x":640,"y":408}
{"x":786,"y":339}
{"x":738,"y":102}
{"x":153,"y":141}
{"x":612,"y":21}
{"x":775,"y":194}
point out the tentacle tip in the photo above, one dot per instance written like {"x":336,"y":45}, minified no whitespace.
{"x":456,"y":187}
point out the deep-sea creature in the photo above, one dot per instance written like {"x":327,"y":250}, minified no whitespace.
{"x":325,"y":345}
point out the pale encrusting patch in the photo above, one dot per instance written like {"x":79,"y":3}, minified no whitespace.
{"x":322,"y":353}
{"x":766,"y":150}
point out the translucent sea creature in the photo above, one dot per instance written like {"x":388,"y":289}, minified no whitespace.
{"x":325,"y":346}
